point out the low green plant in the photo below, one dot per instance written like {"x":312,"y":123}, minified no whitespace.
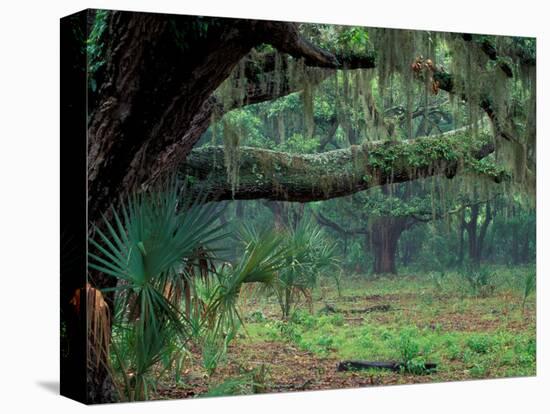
{"x":454,"y":352}
{"x":157,"y":246}
{"x":143,"y":247}
{"x":478,"y":371}
{"x":438,"y":279}
{"x":214,"y":349}
{"x":307,"y":253}
{"x":305,"y":319}
{"x":289,"y":331}
{"x":409,"y":348}
{"x":479,"y":279}
{"x":480,"y":344}
{"x":260,"y":379}
{"x":257,"y":317}
{"x":241,"y":385}
{"x":325,"y":341}
{"x":416,"y":366}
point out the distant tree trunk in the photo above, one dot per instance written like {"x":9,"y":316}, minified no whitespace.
{"x":405,"y":251}
{"x":475,"y":237}
{"x":525,"y":247}
{"x":515,"y":243}
{"x":461,"y":230}
{"x":279,"y":215}
{"x":285,"y":215}
{"x":385,"y":235}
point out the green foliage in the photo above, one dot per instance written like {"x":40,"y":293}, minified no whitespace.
{"x":262,"y":259}
{"x":410,"y":352}
{"x":231,"y":386}
{"x":152,"y":244}
{"x":438,"y":279}
{"x":213,"y":351}
{"x":258,"y":316}
{"x":354,"y":39}
{"x":478,"y":371}
{"x":289,"y":331}
{"x":94,"y":47}
{"x":307,"y":255}
{"x":479,"y":343}
{"x":297,"y":143}
{"x":220,"y":319}
{"x":144,"y":246}
{"x":479,"y":279}
{"x":303,"y":318}
{"x":252,"y":381}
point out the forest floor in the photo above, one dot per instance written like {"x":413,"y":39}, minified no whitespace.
{"x":468,"y":336}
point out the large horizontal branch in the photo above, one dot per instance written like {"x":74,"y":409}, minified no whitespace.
{"x":310,"y":177}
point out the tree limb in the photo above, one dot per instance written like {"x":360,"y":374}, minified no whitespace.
{"x":325,"y":221}
{"x":310,"y":177}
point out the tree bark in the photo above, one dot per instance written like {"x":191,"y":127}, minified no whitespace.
{"x":311,"y":177}
{"x":385,"y":234}
{"x":461,"y":230}
{"x":476,"y":234}
{"x":152,"y":99}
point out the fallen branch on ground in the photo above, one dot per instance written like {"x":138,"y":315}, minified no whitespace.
{"x":391,"y":365}
{"x":376,"y":308}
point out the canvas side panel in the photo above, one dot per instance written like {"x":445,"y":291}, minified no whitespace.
{"x":73,"y":206}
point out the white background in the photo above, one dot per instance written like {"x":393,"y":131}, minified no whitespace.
{"x":29,"y":205}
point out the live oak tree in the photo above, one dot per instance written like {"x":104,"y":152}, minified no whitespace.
{"x":382,"y":215}
{"x":379,"y":217}
{"x":157,"y":82}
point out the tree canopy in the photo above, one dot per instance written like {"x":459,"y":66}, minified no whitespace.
{"x":234,"y":80}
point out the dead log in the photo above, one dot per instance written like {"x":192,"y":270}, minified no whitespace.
{"x":375,"y":308}
{"x":329,"y":308}
{"x":390,"y":365}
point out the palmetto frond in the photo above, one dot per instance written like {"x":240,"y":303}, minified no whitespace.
{"x":146,"y":245}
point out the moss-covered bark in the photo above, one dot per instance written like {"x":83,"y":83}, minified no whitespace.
{"x":310,"y":177}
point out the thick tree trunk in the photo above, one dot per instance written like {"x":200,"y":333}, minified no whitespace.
{"x":154,"y":101}
{"x":385,"y":235}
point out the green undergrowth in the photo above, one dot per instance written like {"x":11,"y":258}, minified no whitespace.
{"x":469,"y":332}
